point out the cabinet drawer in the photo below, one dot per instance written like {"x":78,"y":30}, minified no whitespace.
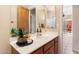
{"x":38,"y":51}
{"x":48,"y":45}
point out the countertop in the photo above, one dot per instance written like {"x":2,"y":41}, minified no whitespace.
{"x":37,"y":42}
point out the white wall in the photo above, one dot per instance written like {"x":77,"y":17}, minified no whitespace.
{"x":76,"y":28}
{"x":6,"y":14}
{"x":4,"y":29}
{"x":14,"y":15}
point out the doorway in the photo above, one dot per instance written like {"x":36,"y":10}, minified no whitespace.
{"x":67,"y":29}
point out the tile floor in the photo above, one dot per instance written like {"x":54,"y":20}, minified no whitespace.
{"x":67,"y":43}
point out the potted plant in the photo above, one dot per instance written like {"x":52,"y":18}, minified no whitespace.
{"x":13,"y":32}
{"x":20,"y":35}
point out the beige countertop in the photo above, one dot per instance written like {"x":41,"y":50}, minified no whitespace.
{"x":37,"y":42}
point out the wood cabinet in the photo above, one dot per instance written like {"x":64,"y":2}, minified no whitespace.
{"x":48,"y":45}
{"x":14,"y":51}
{"x":49,"y":48}
{"x":56,"y":48}
{"x":38,"y":51}
{"x":56,"y":45}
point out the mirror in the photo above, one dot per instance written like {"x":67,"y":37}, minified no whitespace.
{"x":47,"y":16}
{"x":31,"y":17}
{"x":41,"y":16}
{"x":51,"y":17}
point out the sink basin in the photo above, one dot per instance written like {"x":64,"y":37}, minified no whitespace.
{"x":44,"y":35}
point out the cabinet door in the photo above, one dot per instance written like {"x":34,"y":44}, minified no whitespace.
{"x":23,"y":18}
{"x":48,"y":45}
{"x":56,"y":46}
{"x":50,"y":51}
{"x":38,"y":51}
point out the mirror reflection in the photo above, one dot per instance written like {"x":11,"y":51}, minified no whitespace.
{"x":32,"y":17}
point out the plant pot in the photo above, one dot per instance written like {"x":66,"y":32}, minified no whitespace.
{"x":24,"y":42}
{"x":21,"y":41}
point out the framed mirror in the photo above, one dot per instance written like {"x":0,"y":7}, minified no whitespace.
{"x":31,"y":17}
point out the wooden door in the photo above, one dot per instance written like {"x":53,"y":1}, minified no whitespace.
{"x":23,"y":18}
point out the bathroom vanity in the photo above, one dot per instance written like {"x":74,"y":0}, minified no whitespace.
{"x":43,"y":18}
{"x":47,"y":43}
